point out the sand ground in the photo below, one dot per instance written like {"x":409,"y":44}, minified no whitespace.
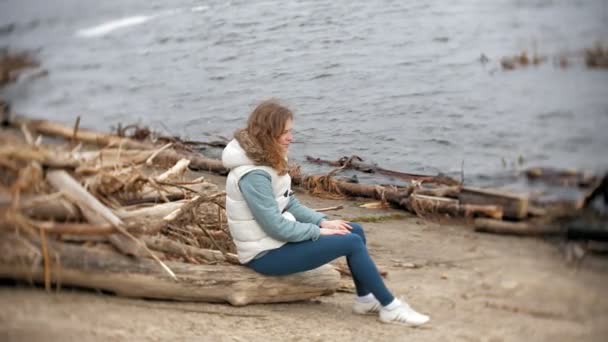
{"x":475,"y":287}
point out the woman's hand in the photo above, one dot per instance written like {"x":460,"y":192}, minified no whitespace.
{"x":340,"y":225}
{"x":328,"y":231}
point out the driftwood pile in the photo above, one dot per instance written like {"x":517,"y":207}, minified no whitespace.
{"x":112,"y":213}
{"x":122,"y":216}
{"x":488,"y":210}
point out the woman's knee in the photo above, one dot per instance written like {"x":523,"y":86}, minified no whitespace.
{"x":354,"y":241}
{"x":358,"y":230}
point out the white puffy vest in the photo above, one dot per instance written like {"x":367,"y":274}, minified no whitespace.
{"x":247,"y":235}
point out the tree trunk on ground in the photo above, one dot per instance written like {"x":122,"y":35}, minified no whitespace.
{"x":422,"y":205}
{"x":125,"y":276}
{"x":356,"y":163}
{"x":45,"y":207}
{"x":514,"y":206}
{"x":316,"y":183}
{"x":163,"y":244}
{"x":69,"y":133}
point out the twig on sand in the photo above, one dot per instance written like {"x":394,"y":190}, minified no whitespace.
{"x":527,"y":311}
{"x":337,"y":207}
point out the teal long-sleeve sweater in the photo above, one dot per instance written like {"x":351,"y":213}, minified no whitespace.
{"x":256,"y":188}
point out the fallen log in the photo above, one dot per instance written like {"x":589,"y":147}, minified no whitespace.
{"x":141,"y":278}
{"x":163,"y":244}
{"x":45,"y":207}
{"x":356,"y":163}
{"x":515,"y":228}
{"x":514,"y":206}
{"x":326,"y":184}
{"x":423,"y":205}
{"x":71,"y":134}
{"x":399,"y":196}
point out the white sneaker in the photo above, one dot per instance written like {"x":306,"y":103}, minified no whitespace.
{"x":366,"y":308}
{"x":403,"y":314}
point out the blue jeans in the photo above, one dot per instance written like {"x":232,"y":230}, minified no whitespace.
{"x":295,"y":257}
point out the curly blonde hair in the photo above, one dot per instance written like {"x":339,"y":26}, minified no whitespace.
{"x":265,"y":125}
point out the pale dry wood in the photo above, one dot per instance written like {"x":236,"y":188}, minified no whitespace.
{"x":142,"y":278}
{"x":92,"y":209}
{"x":74,"y":228}
{"x":163,"y":244}
{"x":174,"y":172}
{"x":96,"y":212}
{"x":193,"y":203}
{"x":446,"y":191}
{"x":534,"y":210}
{"x":70,"y":134}
{"x":45,"y":207}
{"x":514,"y":206}
{"x":27,"y":134}
{"x":110,"y":157}
{"x":150,"y":160}
{"x":156,"y":211}
{"x":337,"y":207}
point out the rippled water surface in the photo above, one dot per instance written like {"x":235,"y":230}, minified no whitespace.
{"x":399,"y":83}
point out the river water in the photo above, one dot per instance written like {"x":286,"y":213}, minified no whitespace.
{"x":399,"y":83}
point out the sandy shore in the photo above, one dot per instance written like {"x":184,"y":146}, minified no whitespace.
{"x":475,"y":287}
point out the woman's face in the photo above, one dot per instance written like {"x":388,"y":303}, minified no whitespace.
{"x":287,"y":136}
